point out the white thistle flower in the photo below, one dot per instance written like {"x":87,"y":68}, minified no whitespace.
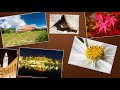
{"x":92,"y":54}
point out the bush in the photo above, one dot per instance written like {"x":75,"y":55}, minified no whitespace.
{"x":12,"y":31}
{"x":5,"y":31}
{"x":42,"y":38}
{"x":8,"y":31}
{"x":36,"y":29}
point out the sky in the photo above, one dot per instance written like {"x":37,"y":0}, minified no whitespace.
{"x":37,"y":18}
{"x":54,"y":54}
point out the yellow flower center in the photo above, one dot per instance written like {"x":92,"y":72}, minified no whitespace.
{"x":94,"y":52}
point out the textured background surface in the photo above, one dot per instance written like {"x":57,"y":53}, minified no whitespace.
{"x":64,"y":42}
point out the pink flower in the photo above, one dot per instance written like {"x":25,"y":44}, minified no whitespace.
{"x":111,"y":21}
{"x":102,"y":26}
{"x":99,"y":17}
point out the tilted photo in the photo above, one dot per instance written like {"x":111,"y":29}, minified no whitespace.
{"x":92,"y":55}
{"x":100,"y":24}
{"x":8,"y":63}
{"x":40,"y":63}
{"x":24,"y":29}
{"x":64,"y":24}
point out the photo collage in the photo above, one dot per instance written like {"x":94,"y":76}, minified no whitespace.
{"x":42,"y":45}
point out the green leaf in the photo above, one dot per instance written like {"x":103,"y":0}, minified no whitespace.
{"x":86,"y":43}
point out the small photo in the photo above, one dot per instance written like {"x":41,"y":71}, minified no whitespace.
{"x":92,"y":54}
{"x":24,"y":29}
{"x":40,"y":63}
{"x":64,"y":24}
{"x":8,"y":63}
{"x":100,"y":24}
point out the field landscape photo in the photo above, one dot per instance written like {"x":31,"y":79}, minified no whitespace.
{"x":40,"y":63}
{"x":23,"y":29}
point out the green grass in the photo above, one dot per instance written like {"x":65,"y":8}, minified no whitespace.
{"x":18,"y":39}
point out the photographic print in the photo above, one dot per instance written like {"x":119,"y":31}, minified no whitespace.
{"x":64,"y":24}
{"x":92,"y":55}
{"x":101,"y":24}
{"x":40,"y":63}
{"x":23,"y":29}
{"x":8,"y":63}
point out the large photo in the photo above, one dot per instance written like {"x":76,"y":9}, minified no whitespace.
{"x":91,"y":54}
{"x":40,"y":63}
{"x":23,"y":29}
